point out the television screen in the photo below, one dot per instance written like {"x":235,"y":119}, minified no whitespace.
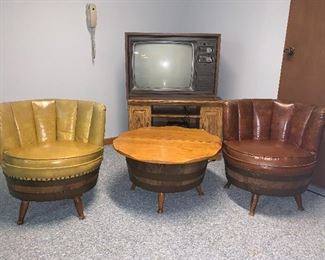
{"x":163,"y":66}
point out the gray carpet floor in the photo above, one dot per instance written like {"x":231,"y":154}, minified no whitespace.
{"x":123,"y":224}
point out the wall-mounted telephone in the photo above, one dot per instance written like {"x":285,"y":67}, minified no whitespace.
{"x":91,"y":14}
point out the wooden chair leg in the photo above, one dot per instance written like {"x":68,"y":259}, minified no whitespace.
{"x":253,"y":204}
{"x":79,"y":207}
{"x":22,"y":211}
{"x":199,"y":190}
{"x":227,"y":185}
{"x":299,"y":202}
{"x":161,"y":200}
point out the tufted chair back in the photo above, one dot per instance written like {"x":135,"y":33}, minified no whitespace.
{"x":267,"y":119}
{"x":26,"y":123}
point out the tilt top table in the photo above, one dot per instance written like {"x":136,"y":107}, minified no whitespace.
{"x":167,"y":159}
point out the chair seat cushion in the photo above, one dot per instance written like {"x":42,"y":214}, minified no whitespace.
{"x":268,"y":154}
{"x":52,"y":161}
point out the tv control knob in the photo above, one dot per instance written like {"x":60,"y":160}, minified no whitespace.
{"x":209,"y":50}
{"x":205,"y":59}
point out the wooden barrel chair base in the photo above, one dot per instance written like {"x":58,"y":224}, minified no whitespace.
{"x":272,"y":185}
{"x":72,"y":188}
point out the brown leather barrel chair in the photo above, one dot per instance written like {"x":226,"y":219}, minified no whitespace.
{"x":270,"y":147}
{"x":51,"y":149}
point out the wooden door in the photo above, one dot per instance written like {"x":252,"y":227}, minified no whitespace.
{"x":303,"y":66}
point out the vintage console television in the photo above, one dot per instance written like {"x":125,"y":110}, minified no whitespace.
{"x":172,"y":79}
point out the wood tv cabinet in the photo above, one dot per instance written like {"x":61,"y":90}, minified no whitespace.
{"x":205,"y":113}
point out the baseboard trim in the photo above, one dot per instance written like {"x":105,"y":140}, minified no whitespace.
{"x":109,"y":141}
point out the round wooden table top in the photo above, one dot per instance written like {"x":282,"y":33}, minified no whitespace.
{"x":168,"y":145}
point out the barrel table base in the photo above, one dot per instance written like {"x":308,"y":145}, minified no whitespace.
{"x":166,"y":178}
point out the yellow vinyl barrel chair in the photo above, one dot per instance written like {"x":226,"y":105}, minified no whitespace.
{"x":51,"y":149}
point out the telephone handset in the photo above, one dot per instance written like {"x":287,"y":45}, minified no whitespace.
{"x":91,"y":14}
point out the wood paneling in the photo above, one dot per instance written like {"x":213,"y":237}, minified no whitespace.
{"x":139,"y":116}
{"x":168,"y":101}
{"x":210,"y":116}
{"x":211,"y":120}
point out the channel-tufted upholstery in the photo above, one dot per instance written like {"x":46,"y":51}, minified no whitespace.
{"x":48,"y":141}
{"x":270,"y":147}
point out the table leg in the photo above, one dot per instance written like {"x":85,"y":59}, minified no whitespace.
{"x":161,"y":200}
